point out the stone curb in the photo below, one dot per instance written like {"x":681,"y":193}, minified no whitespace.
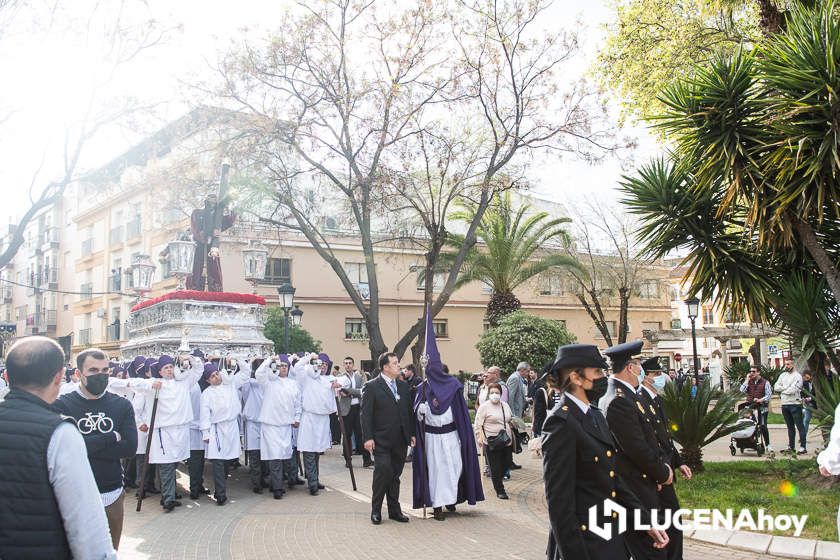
{"x":763,"y":543}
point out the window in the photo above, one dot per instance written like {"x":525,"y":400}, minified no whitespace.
{"x":486,"y":287}
{"x":648,"y":289}
{"x":654,"y":326}
{"x":278,"y":271}
{"x":441,"y":327}
{"x":551,"y":284}
{"x":355,"y":329}
{"x":729,"y":317}
{"x":356,"y":272}
{"x":610,"y":327}
{"x":708,"y":316}
{"x":486,"y":325}
{"x":439,"y":279}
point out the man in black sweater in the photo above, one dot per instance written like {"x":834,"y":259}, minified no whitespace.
{"x":106,"y":422}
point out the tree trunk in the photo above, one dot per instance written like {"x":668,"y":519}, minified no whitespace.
{"x":809,"y":240}
{"x":771,"y":20}
{"x":693,"y":457}
{"x":501,"y":304}
{"x":623,"y":327}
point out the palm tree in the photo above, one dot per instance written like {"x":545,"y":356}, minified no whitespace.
{"x":695,"y":421}
{"x":515,"y":247}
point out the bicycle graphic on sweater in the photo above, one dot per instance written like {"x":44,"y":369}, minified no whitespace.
{"x":95,"y":423}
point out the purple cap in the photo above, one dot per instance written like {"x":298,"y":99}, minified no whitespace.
{"x":284,"y":359}
{"x":198,"y":353}
{"x":165,"y":360}
{"x":209,"y":369}
{"x":136,"y":363}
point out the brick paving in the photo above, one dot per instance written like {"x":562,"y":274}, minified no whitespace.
{"x":335,"y":525}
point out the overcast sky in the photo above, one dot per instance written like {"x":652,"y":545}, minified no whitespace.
{"x":47,"y":75}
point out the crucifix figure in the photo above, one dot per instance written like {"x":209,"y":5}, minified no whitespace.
{"x":205,"y":225}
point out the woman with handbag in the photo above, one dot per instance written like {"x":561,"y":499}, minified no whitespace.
{"x":495,"y":435}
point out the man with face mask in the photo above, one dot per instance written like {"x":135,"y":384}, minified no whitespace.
{"x":641,"y":462}
{"x":106,"y":422}
{"x":652,"y":385}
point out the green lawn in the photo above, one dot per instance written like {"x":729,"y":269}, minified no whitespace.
{"x":775,"y":418}
{"x":757,"y":484}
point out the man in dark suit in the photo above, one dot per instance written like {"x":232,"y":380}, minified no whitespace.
{"x":388,"y":430}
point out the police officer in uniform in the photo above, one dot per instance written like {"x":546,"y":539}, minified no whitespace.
{"x":640,"y":461}
{"x":579,"y":462}
{"x":654,"y":383}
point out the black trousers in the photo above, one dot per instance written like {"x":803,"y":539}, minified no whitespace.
{"x":500,"y":460}
{"x":335,"y":428}
{"x":668,"y":500}
{"x":387,"y":469}
{"x":196,"y":469}
{"x":353,"y":427}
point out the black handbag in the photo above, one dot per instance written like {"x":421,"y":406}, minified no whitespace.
{"x":500,"y":440}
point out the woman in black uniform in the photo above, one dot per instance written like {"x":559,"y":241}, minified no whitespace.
{"x":579,"y":462}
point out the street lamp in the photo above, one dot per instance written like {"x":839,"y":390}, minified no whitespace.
{"x":142,"y":274}
{"x":286,"y":293}
{"x":693,"y":310}
{"x":297,"y":316}
{"x":254,"y":259}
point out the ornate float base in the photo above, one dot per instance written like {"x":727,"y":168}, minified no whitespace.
{"x":212,"y":322}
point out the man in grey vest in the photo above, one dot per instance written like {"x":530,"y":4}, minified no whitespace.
{"x":45,"y":465}
{"x":350,"y":398}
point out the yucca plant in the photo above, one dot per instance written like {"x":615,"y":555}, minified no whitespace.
{"x":826,"y":398}
{"x":695,"y":421}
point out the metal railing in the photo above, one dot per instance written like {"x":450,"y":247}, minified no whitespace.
{"x":86,"y":290}
{"x":115,"y":283}
{"x":49,"y":236}
{"x":50,"y":318}
{"x":113,"y":332}
{"x":84,"y":337}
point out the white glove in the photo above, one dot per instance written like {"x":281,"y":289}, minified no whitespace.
{"x":422,"y":409}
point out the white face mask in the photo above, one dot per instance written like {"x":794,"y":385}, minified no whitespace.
{"x":495,"y":398}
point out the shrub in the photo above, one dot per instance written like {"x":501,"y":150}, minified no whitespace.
{"x":522,"y":337}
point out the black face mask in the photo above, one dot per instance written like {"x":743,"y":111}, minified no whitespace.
{"x":599,"y":388}
{"x":96,"y":384}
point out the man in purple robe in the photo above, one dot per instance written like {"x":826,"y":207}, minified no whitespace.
{"x":445,"y":462}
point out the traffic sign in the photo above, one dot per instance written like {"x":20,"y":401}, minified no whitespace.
{"x":677,"y":357}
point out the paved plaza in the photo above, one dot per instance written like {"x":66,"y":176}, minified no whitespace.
{"x":336,"y":524}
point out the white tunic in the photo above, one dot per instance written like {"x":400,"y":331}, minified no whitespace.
{"x":219,"y":419}
{"x":443,"y":460}
{"x":318,"y":403}
{"x":171,"y":437}
{"x":252,"y":397}
{"x":196,"y":439}
{"x":281,"y":408}
{"x":142,"y":411}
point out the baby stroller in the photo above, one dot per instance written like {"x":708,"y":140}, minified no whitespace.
{"x":748,"y":434}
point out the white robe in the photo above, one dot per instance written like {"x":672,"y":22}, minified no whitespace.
{"x":171,"y":438}
{"x":196,"y":440}
{"x":318,"y":403}
{"x":142,"y":410}
{"x":252,"y":397}
{"x":443,"y":460}
{"x":219,"y":418}
{"x":281,"y":408}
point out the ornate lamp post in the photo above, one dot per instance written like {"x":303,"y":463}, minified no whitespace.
{"x":142,"y":274}
{"x":286,"y":292}
{"x":693,"y":305}
{"x":297,"y":316}
{"x":181,"y":255}
{"x":254,"y":259}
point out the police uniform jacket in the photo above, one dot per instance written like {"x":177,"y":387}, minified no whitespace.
{"x":660,"y":423}
{"x":641,"y":462}
{"x":580,"y":471}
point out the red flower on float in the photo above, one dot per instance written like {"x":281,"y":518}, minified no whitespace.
{"x":195,"y":295}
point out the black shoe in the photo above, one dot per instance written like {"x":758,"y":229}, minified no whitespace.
{"x":300,"y":481}
{"x":514,"y":466}
{"x":502,"y":496}
{"x":194,"y":495}
{"x":278,"y":495}
{"x":450,"y":508}
{"x":320,"y":486}
{"x":376,"y":518}
{"x":257,"y":490}
{"x":438,"y":514}
{"x":367,"y":464}
{"x":168,"y":506}
{"x":179,"y":496}
{"x":221,"y":501}
{"x":402,"y":518}
{"x":205,"y":491}
{"x":313,"y":491}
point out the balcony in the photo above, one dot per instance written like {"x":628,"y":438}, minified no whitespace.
{"x":50,"y":318}
{"x":49,"y":237}
{"x":115,"y":283}
{"x":87,"y":247}
{"x":47,"y":279}
{"x":116,"y":236}
{"x":84,"y":337}
{"x":132,"y":228}
{"x":113,"y":332}
{"x":6,"y":294}
{"x":86,"y":291}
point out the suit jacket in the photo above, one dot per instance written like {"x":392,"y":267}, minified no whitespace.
{"x":641,"y":462}
{"x":344,"y":401}
{"x":660,"y":424}
{"x":580,"y":471}
{"x":387,"y":421}
{"x":516,"y":394}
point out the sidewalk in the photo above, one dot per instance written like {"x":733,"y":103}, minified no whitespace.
{"x":335,"y":525}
